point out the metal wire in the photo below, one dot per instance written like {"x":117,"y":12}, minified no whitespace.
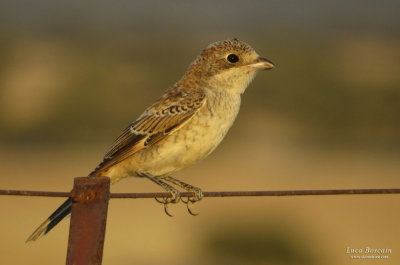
{"x":35,"y":193}
{"x":212,"y":193}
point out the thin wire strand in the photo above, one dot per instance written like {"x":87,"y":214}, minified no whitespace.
{"x":35,"y":193}
{"x":212,"y":193}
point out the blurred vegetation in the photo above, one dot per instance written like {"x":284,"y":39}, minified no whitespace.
{"x":262,"y":243}
{"x":75,"y":87}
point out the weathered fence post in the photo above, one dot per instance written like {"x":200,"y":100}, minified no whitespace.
{"x":88,"y":220}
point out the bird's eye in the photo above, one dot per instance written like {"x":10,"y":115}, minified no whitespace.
{"x":233,"y":58}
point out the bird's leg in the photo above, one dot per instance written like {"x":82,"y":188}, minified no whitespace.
{"x":165,"y":201}
{"x":198,"y":194}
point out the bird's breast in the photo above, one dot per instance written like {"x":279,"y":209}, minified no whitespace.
{"x":194,"y":140}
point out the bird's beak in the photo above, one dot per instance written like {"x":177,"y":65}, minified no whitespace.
{"x":262,"y":64}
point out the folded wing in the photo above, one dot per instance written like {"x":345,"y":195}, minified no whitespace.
{"x":162,"y":118}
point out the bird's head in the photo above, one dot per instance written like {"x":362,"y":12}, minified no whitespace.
{"x":229,"y":64}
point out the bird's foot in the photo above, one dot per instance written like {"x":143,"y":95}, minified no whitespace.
{"x":197,"y":193}
{"x":175,"y":198}
{"x":175,"y":195}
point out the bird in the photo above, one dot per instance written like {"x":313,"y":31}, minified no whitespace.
{"x":180,"y":128}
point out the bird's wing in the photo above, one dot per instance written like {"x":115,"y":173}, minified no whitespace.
{"x":166,"y":115}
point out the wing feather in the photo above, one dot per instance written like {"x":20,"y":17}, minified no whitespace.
{"x":158,"y":121}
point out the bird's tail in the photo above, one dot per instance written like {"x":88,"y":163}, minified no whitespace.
{"x":52,"y":221}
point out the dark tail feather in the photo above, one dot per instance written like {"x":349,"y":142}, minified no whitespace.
{"x":52,"y":221}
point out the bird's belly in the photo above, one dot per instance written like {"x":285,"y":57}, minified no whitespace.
{"x":187,"y":145}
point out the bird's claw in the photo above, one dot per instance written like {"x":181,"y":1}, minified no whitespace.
{"x":198,"y":195}
{"x":189,"y":202}
{"x":175,"y":198}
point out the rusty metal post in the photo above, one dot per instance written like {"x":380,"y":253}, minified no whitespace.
{"x":88,"y":220}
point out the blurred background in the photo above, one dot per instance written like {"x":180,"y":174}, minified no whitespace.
{"x":73,"y":74}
